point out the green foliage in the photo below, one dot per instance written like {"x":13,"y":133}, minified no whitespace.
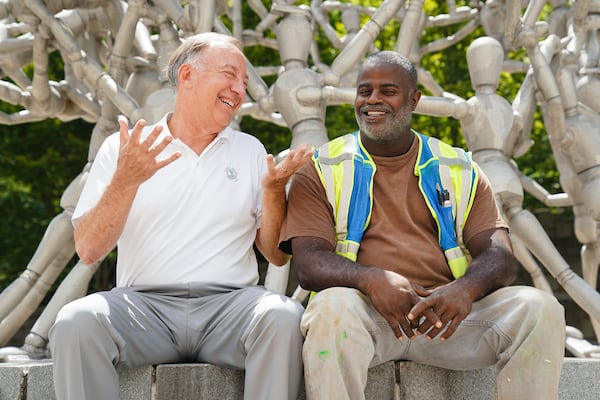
{"x":37,"y":162}
{"x":340,"y":120}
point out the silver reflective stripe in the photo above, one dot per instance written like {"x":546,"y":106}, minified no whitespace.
{"x":347,"y":247}
{"x":345,"y":194}
{"x":467,"y":185}
{"x":453,"y":254}
{"x":327,"y":177}
{"x":334,"y":160}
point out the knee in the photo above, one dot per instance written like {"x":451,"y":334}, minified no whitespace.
{"x":335,"y":301}
{"x":281,"y":313}
{"x":335,"y":309}
{"x":545,"y":304}
{"x":541,"y":309}
{"x":73,"y":322}
{"x":289,"y":312}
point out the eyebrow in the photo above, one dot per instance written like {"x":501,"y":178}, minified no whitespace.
{"x":383,"y":85}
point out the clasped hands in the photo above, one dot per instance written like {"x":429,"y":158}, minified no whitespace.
{"x":413,"y":310}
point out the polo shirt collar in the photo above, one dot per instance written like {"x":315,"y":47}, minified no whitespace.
{"x":223,"y":136}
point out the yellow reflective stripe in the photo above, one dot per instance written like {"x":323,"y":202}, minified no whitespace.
{"x":458,"y":266}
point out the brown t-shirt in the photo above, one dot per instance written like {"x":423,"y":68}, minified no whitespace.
{"x":402,"y":234}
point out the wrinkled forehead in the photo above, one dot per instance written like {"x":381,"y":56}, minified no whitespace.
{"x":223,"y":54}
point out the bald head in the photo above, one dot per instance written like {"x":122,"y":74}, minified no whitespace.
{"x":190,"y":50}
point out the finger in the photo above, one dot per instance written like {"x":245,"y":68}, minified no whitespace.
{"x":414,"y":324}
{"x":273,"y":166}
{"x":137,"y":129}
{"x":419,"y":309}
{"x":425,"y":326}
{"x":305,"y":152}
{"x":168,"y":160}
{"x":150,"y":140}
{"x":406,"y":328}
{"x":430,"y":320}
{"x":421,"y":291}
{"x":123,"y":129}
{"x":298,"y":157}
{"x":396,"y":328}
{"x":159,"y":147}
{"x":452,"y":327}
{"x":270,"y":162}
{"x":435,"y":331}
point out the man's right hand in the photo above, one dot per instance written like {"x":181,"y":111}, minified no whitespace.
{"x":138,"y":158}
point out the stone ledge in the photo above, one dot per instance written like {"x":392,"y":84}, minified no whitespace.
{"x":32,"y":380}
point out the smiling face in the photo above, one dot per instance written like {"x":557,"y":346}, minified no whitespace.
{"x":386,"y":96}
{"x":216,"y":85}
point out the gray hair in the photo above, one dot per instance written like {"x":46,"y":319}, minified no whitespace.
{"x":392,"y":58}
{"x":188,"y":52}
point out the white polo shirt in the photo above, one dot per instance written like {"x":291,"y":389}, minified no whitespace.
{"x":195,"y":220}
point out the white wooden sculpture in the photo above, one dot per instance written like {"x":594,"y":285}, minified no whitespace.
{"x":115,"y":51}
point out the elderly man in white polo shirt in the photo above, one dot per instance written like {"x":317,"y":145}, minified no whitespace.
{"x":184,"y":201}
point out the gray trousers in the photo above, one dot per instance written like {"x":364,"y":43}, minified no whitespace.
{"x":520,"y":330}
{"x":245,"y":328}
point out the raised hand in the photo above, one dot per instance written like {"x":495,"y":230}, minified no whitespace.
{"x":138,"y":157}
{"x":278,"y":175}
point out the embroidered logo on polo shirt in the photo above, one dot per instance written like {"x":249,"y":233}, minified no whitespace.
{"x":231,"y":173}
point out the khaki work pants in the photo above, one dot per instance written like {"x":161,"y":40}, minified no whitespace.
{"x":520,"y":330}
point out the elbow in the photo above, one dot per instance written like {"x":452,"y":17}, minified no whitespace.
{"x":279,"y":259}
{"x":87,"y":254}
{"x":87,"y":258}
{"x":304,"y":279}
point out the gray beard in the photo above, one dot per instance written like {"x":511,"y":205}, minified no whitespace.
{"x":388,"y":131}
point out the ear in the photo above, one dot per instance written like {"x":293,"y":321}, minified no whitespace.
{"x":185,"y":73}
{"x":415,"y":99}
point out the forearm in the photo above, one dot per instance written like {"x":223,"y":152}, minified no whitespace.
{"x":97,"y":231}
{"x":275,"y":202}
{"x":273,"y":213}
{"x":320,"y":269}
{"x":490,"y":270}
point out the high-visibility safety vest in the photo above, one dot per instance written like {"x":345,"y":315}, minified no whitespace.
{"x":447,"y":180}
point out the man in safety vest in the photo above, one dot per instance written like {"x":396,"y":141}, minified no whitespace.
{"x":399,"y":237}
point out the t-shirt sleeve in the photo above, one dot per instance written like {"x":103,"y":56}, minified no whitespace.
{"x":308,"y":210}
{"x":484,"y":213}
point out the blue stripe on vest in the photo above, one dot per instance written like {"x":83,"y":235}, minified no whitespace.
{"x":360,"y":199}
{"x":434,"y":191}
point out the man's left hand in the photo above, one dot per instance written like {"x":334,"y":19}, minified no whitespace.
{"x":278,"y":174}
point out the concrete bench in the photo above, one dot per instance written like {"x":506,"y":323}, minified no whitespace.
{"x":32,"y":380}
